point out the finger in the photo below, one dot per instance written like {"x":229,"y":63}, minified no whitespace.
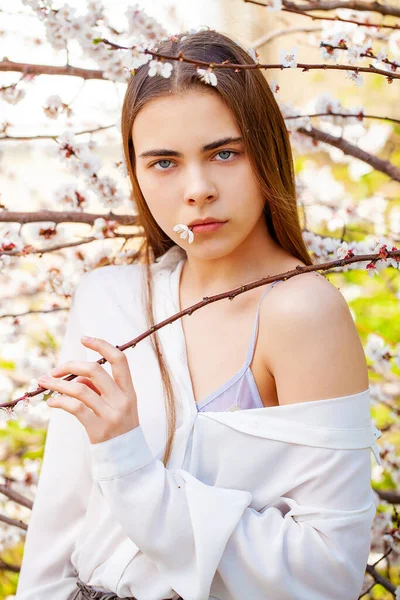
{"x":99,"y":377}
{"x":81,"y":392}
{"x":89,"y":383}
{"x":71,"y":405}
{"x":118,"y":362}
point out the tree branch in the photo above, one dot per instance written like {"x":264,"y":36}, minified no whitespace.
{"x":15,"y":496}
{"x":7,"y":567}
{"x":360,"y":116}
{"x":13,"y":522}
{"x":32,"y":69}
{"x":379,"y":164}
{"x":380,"y":579}
{"x":49,"y":136}
{"x":29,"y":250}
{"x":388,"y":495}
{"x":227,"y":65}
{"x":63,"y":217}
{"x":357,"y":5}
{"x":350,"y":258}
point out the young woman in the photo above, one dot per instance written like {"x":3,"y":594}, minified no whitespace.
{"x":227,"y":455}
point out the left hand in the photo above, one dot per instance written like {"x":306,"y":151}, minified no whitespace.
{"x":106,"y":406}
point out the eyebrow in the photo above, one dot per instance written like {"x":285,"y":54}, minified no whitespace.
{"x":210,"y":146}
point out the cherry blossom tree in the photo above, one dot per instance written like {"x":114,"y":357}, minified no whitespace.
{"x":347,"y":176}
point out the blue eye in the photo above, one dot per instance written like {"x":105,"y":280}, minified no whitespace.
{"x":228,"y":151}
{"x":166,"y":160}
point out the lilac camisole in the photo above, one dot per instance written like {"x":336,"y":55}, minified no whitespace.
{"x":240,"y":391}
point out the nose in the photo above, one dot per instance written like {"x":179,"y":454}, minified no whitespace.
{"x":200,"y":189}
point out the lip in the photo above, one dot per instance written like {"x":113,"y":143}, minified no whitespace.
{"x":204,"y":227}
{"x":204,"y":221}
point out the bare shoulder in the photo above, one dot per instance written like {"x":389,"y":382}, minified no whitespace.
{"x":309,"y":341}
{"x":307,"y":291}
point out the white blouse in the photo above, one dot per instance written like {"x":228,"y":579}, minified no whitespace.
{"x":272,"y":503}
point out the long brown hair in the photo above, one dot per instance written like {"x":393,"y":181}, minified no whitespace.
{"x":266,"y":140}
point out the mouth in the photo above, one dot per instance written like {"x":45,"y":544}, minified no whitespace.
{"x":204,"y":227}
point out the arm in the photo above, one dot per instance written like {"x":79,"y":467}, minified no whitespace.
{"x":311,"y":543}
{"x":61,"y":496}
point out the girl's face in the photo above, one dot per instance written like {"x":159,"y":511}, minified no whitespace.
{"x":187,"y":169}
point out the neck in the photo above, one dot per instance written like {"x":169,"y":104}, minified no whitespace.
{"x":249,"y":262}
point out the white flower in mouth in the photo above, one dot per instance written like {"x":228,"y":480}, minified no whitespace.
{"x":185,"y":232}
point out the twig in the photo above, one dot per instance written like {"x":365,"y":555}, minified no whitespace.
{"x":61,"y":216}
{"x":388,"y":585}
{"x":379,"y":164}
{"x":29,"y":250}
{"x":360,"y":116}
{"x":4,"y":566}
{"x":15,"y":496}
{"x":240,"y":67}
{"x":304,"y":9}
{"x":32,"y":69}
{"x":49,"y":136}
{"x":13,"y":522}
{"x":231,"y":294}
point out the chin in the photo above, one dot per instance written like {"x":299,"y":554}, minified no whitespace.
{"x":208,"y":250}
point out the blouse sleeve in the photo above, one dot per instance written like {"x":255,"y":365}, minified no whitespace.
{"x":314,"y":544}
{"x":62,"y":493}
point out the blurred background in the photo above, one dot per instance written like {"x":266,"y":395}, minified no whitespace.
{"x":341,"y":198}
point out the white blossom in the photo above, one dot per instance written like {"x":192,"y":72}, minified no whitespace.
{"x":394,"y":42}
{"x":208,"y":76}
{"x":334,"y":38}
{"x":366,"y":46}
{"x":185,"y":232}
{"x":342,"y":250}
{"x":355,"y":77}
{"x":54,"y":107}
{"x":34,"y":4}
{"x":102,"y":228}
{"x":157,"y":67}
{"x":288,"y":59}
{"x":381,"y":55}
{"x":328,"y":53}
{"x":140,"y":24}
{"x":274,"y":86}
{"x":378,"y":352}
{"x":275,"y":6}
{"x":67,"y":138}
{"x":68,"y":195}
{"x":89,"y":163}
{"x":134,"y":58}
{"x":12,"y":95}
{"x":107,"y":191}
{"x":7,"y":414}
{"x":353,"y":54}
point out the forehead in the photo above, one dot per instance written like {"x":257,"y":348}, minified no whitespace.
{"x":188,"y":118}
